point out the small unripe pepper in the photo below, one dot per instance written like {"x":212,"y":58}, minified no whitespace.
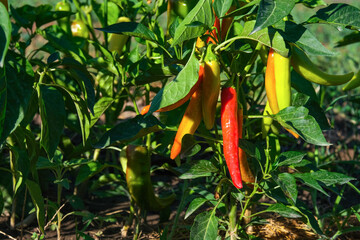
{"x":64,"y":22}
{"x":189,"y":123}
{"x":230,"y":131}
{"x":139,"y":182}
{"x":118,"y":41}
{"x":79,"y":29}
{"x":210,"y":88}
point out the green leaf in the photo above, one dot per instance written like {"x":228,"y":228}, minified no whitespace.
{"x":283,"y":210}
{"x":61,"y":41}
{"x":272,"y":11}
{"x":297,"y":118}
{"x":201,"y":13}
{"x":330,"y":178}
{"x":3,"y":101}
{"x":131,"y":29}
{"x":178,"y":88}
{"x":1,"y":202}
{"x":83,"y":78}
{"x":287,"y":183}
{"x":129,"y":130}
{"x":309,"y":217}
{"x":310,"y":181}
{"x":19,"y":81}
{"x":194,"y":205}
{"x":289,"y":158}
{"x":38,"y":200}
{"x":5,"y":34}
{"x":312,"y":3}
{"x":349,"y":39}
{"x":100,"y":107}
{"x":205,"y":226}
{"x":201,"y":168}
{"x":88,"y":170}
{"x":52,"y":112}
{"x":314,"y":108}
{"x":267,"y":36}
{"x":81,"y":109}
{"x":303,"y":38}
{"x":221,"y":7}
{"x":302,"y":85}
{"x":339,"y":14}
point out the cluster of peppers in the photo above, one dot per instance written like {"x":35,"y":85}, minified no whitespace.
{"x":202,"y":106}
{"x":78,"y":28}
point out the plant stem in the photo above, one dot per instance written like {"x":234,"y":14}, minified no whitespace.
{"x":232,"y":219}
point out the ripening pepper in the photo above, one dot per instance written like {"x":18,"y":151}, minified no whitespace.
{"x":139,"y":182}
{"x":214,"y":33}
{"x":210,"y":88}
{"x":181,"y":101}
{"x":230,"y":131}
{"x":226,"y":23}
{"x":246,"y":174}
{"x":64,"y":22}
{"x":306,"y":68}
{"x":118,"y":41}
{"x":79,"y":29}
{"x":278,"y":83}
{"x":189,"y":123}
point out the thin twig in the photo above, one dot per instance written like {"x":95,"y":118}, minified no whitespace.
{"x":7,"y":235}
{"x":47,"y":225}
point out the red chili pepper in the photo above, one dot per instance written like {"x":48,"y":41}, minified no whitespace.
{"x":214,"y":39}
{"x":229,"y":125}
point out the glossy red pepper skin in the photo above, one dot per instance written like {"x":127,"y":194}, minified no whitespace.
{"x":229,"y":124}
{"x":214,"y":33}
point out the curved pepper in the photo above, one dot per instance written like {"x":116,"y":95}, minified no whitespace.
{"x":230,"y":131}
{"x":353,"y":83}
{"x":210,"y":88}
{"x":214,"y":37}
{"x":117,"y":41}
{"x":181,"y":101}
{"x":246,"y":174}
{"x":189,"y":123}
{"x":64,"y":22}
{"x":139,"y":182}
{"x":303,"y":65}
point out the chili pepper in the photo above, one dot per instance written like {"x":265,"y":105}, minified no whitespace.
{"x":266,"y":121}
{"x":139,"y":182}
{"x":353,"y":83}
{"x":5,"y":2}
{"x":178,"y":8}
{"x":210,"y":88}
{"x":226,"y":23}
{"x":229,"y":125}
{"x":306,"y":68}
{"x":270,"y":83}
{"x":64,"y":22}
{"x":214,"y":36}
{"x":117,"y":41}
{"x":283,"y":82}
{"x":278,"y":84}
{"x":189,"y":123}
{"x":246,"y":174}
{"x":79,"y":29}
{"x":181,"y":101}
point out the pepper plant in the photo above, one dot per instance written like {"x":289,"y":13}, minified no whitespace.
{"x":227,"y":94}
